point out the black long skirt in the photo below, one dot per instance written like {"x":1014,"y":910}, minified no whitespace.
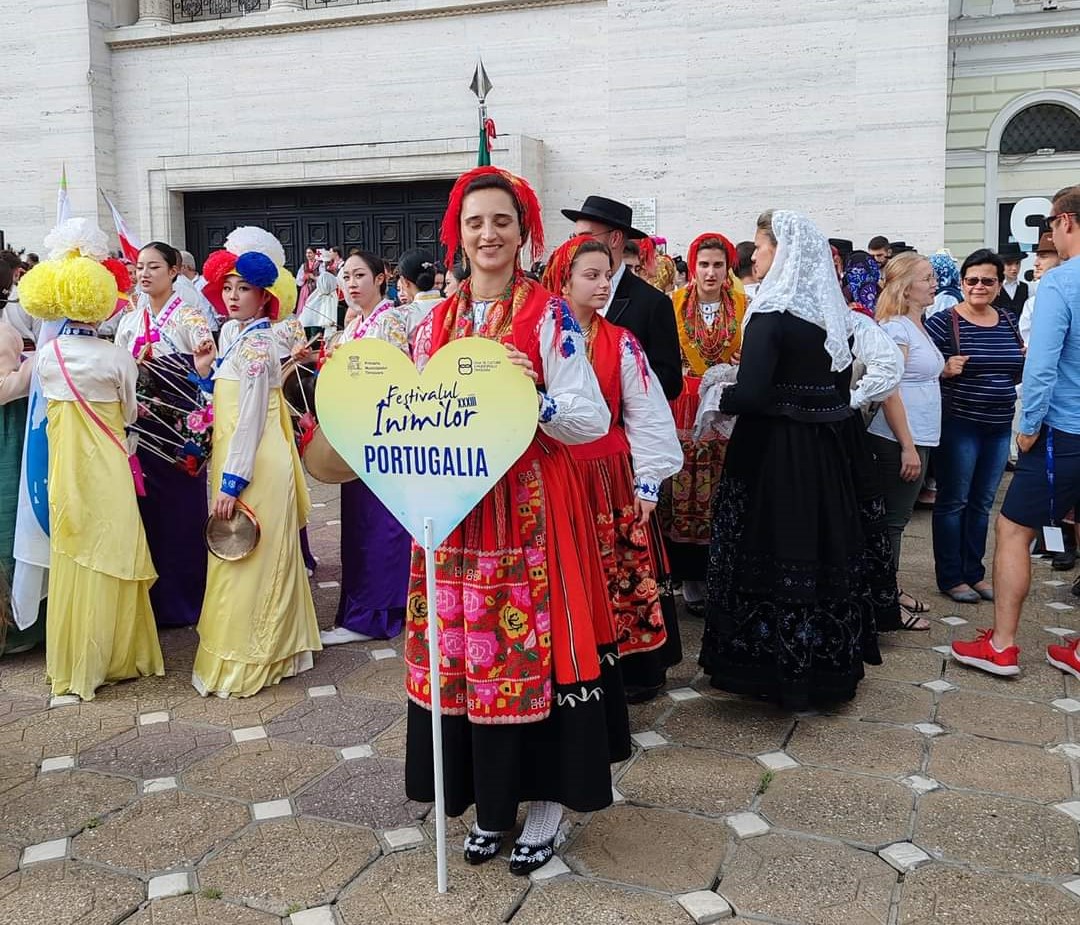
{"x":795,"y":580}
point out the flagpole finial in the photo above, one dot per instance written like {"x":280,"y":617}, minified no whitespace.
{"x":481,"y":84}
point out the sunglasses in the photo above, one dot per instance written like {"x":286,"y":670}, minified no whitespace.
{"x":987,"y":281}
{"x":1048,"y":222}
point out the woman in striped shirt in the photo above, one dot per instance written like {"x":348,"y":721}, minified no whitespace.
{"x":984,"y":359}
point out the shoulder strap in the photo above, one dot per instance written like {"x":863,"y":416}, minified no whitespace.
{"x":1004,"y":312}
{"x":82,"y":401}
{"x":954,"y":317}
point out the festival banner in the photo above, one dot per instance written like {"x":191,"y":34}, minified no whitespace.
{"x":428,"y":445}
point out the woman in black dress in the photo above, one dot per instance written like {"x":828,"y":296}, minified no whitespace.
{"x":793,"y":568}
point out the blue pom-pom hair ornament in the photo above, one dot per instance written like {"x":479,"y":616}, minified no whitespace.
{"x":252,"y":254}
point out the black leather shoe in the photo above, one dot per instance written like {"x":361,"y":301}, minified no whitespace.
{"x":480,"y":848}
{"x":524,"y":859}
{"x":1064,"y":561}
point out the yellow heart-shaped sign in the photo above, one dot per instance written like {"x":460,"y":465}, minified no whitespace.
{"x":428,"y":445}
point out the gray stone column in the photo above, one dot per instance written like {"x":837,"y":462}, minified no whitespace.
{"x":153,"y":11}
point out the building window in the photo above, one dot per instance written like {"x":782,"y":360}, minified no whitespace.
{"x":1042,"y":127}
{"x":202,"y":10}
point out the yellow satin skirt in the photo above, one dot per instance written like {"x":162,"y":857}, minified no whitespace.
{"x":101,"y":625}
{"x":258,"y":619}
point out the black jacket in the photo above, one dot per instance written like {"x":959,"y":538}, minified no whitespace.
{"x":1016,"y":303}
{"x":647,"y":313}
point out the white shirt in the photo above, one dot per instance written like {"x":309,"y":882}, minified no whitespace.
{"x":1011,"y":288}
{"x":882,"y":361}
{"x":920,"y":389}
{"x":616,"y":278}
{"x":190,"y":291}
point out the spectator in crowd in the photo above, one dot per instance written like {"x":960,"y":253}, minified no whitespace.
{"x":1046,"y":258}
{"x":984,"y":359}
{"x":682,"y":273}
{"x":1014,"y":291}
{"x":744,"y":253}
{"x":1047,"y":479}
{"x":632,"y":258}
{"x":879,"y":249}
{"x":948,"y":282}
{"x":189,"y":286}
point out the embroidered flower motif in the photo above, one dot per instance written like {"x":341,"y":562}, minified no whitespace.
{"x":513,"y":621}
{"x":482,"y":649}
{"x":418,"y":675}
{"x":452,"y":642}
{"x":543,"y":621}
{"x":485,"y":692}
{"x":201,"y":419}
{"x":548,"y":408}
{"x":473,"y":604}
{"x":447,"y":601}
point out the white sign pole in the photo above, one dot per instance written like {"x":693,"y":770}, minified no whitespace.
{"x":436,"y":704}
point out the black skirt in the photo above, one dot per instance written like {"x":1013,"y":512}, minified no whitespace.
{"x":794,"y":581}
{"x":499,"y":766}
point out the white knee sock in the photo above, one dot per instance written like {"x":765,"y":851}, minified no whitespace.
{"x":542,"y":823}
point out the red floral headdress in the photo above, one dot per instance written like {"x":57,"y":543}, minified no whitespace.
{"x":532,"y":225}
{"x":647,"y":252}
{"x":557,"y":271}
{"x":695,"y":246}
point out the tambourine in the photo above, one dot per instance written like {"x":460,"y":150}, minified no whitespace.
{"x":233,"y":539}
{"x":324,"y":463}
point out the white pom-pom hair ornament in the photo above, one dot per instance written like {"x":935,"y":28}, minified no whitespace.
{"x":77,"y":237}
{"x":249,"y":238}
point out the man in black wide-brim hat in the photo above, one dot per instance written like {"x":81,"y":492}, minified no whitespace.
{"x":634,"y":304}
{"x":1014,"y":291}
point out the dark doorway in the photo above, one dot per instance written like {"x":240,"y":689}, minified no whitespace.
{"x":386,"y":218}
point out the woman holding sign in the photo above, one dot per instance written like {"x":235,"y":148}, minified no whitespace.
{"x":374,"y":546}
{"x":526,"y":715}
{"x":258,"y":619}
{"x":622,"y":494}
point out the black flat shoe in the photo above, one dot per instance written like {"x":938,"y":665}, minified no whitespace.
{"x":480,"y":848}
{"x":695,"y":609}
{"x":642,"y":694}
{"x":524,"y":859}
{"x":1064,"y":561}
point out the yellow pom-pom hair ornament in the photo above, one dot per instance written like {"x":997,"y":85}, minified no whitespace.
{"x":73,"y":284}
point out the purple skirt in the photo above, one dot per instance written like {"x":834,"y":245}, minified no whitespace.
{"x":174,"y":514}
{"x":375,"y":551}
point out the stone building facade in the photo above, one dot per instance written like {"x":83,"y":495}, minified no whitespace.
{"x":189,"y":112}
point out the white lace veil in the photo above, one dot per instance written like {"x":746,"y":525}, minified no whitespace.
{"x":802,"y":281}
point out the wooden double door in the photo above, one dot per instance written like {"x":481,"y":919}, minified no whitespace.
{"x":386,"y":219}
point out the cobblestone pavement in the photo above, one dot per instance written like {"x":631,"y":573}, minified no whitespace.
{"x":940,"y":795}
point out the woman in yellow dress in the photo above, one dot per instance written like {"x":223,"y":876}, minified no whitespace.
{"x":258,"y":619}
{"x":709,"y":311}
{"x":101,"y":625}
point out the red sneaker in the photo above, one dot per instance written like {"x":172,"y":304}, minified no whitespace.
{"x":1066,"y":657}
{"x":981,"y":654}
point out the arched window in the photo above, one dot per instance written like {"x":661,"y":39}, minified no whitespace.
{"x":1044,"y":125}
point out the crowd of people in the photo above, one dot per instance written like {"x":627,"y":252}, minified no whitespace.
{"x":750,"y":428}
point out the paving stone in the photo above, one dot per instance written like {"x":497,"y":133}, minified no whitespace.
{"x":648,"y":739}
{"x":380,"y":680}
{"x":1000,"y":718}
{"x":953,"y":621}
{"x":69,"y":731}
{"x":699,"y":780}
{"x":860,"y":809}
{"x":1058,"y":605}
{"x":63,"y":763}
{"x":380,"y":654}
{"x":160,"y":832}
{"x":159,"y":784}
{"x":337,"y":722}
{"x":156,"y":750}
{"x":1070,"y":809}
{"x":990,"y":831}
{"x":943,"y":650}
{"x":151,"y":719}
{"x":245,"y":712}
{"x":249,"y":734}
{"x":1066,"y":705}
{"x":645,"y":717}
{"x":271,"y":809}
{"x":25,"y":674}
{"x":9,"y":860}
{"x":154,"y":694}
{"x":776,"y":761}
{"x":660,"y":850}
{"x":320,"y":915}
{"x":901,"y":663}
{"x":1068,"y":749}
{"x":735,"y":725}
{"x":369,"y":792}
{"x":198,"y":910}
{"x":323,"y":690}
{"x":682,"y":694}
{"x":273,"y":865}
{"x":63,"y":700}
{"x":888,"y":702}
{"x":1063,"y":631}
{"x":406,"y":837}
{"x":259,"y":770}
{"x":1073,"y":886}
{"x":1037,"y":680}
{"x":941,"y":895}
{"x":921,"y":784}
{"x":67,"y":893}
{"x":400,"y":888}
{"x":856,"y":746}
{"x":15,"y":772}
{"x":168,"y":885}
{"x":358,"y":751}
{"x":904,"y":856}
{"x":60,"y":804}
{"x":748,"y":825}
{"x":563,"y":901}
{"x":15,"y":706}
{"x":1023,"y":771}
{"x":334,"y":664}
{"x":938,"y":686}
{"x":929,"y":729}
{"x":53,"y":850}
{"x":705,"y":906}
{"x":781,"y":877}
{"x":556,"y":867}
